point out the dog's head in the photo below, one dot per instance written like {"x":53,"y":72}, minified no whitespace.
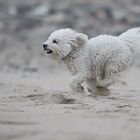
{"x":61,"y":42}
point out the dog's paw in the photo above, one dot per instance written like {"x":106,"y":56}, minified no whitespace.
{"x":76,"y":87}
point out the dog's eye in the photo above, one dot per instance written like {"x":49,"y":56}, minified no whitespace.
{"x":55,"y":41}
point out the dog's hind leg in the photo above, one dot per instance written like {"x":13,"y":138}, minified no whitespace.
{"x":92,"y":88}
{"x":110,"y":75}
{"x":104,"y":83}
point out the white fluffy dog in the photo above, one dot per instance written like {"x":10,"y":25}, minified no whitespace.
{"x":96,"y":61}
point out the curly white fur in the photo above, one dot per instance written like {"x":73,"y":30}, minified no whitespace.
{"x":96,"y":61}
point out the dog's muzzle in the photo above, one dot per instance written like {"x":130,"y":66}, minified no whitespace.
{"x":49,"y":51}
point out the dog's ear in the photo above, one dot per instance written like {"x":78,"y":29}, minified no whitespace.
{"x":81,"y":39}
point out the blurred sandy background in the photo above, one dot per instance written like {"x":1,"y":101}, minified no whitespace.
{"x":35,"y":100}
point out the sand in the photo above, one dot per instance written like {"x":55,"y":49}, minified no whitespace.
{"x":41,"y":106}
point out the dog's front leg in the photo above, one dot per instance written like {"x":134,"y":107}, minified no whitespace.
{"x":76,"y":83}
{"x":91,"y":85}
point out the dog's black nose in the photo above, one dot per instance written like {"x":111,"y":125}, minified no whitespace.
{"x":45,"y":46}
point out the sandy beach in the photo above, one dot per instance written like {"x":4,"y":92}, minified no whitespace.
{"x":32,"y":109}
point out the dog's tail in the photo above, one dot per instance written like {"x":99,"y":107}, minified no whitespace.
{"x":132,"y":38}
